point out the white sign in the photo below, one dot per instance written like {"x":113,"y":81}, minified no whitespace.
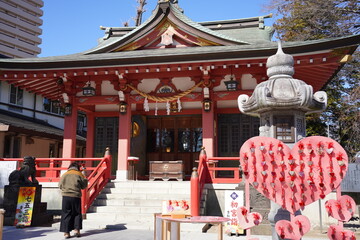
{"x":6,"y":167}
{"x":351,"y":182}
{"x":233,"y":200}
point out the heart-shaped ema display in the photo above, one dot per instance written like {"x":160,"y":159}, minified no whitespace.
{"x":248,"y":220}
{"x":336,"y":232}
{"x":294,"y":229}
{"x":341,"y":209}
{"x":293,"y":178}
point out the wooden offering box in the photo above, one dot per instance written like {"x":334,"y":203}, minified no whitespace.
{"x":166,"y":170}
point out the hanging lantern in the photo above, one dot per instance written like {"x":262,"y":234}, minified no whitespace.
{"x":123,"y":107}
{"x":88,"y":90}
{"x":207,"y":105}
{"x":232,"y":84}
{"x":67,"y":109}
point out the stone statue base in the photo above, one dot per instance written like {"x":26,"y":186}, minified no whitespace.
{"x":40,"y":217}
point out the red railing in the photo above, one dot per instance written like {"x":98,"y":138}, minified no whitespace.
{"x":49,"y":170}
{"x":208,"y":172}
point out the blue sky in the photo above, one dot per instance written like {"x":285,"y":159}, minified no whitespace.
{"x":72,"y":26}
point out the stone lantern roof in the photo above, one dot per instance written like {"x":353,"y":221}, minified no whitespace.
{"x":281,"y":91}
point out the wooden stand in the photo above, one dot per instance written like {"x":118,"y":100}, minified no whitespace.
{"x":166,"y":228}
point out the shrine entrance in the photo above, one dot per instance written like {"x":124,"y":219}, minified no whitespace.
{"x":233,"y":131}
{"x":174,"y":138}
{"x":106,"y":135}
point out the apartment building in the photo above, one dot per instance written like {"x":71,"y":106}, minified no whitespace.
{"x":20,"y":30}
{"x":29,"y":124}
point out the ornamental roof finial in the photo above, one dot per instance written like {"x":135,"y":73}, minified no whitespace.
{"x":280,"y":64}
{"x":174,"y":2}
{"x":171,"y":1}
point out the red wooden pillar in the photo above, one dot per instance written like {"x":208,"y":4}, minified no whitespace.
{"x":124,"y":144}
{"x":70,"y":126}
{"x":208,"y":122}
{"x":90,"y":135}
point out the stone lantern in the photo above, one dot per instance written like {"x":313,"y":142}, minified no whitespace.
{"x":281,"y":103}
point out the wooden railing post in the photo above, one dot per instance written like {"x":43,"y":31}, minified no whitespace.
{"x":52,"y":172}
{"x":84,"y":202}
{"x":195,"y":194}
{"x":108,"y":157}
{"x":2,"y":212}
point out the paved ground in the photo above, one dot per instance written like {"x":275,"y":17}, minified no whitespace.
{"x":52,"y":233}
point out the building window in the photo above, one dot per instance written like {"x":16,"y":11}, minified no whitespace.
{"x":12,"y":146}
{"x":284,"y":128}
{"x":16,"y":97}
{"x":81,"y":124}
{"x":50,"y":106}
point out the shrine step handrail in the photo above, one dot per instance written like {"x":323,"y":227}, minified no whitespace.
{"x":209,"y":174}
{"x":49,"y":170}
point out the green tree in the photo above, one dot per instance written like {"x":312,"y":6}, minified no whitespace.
{"x":301,"y":20}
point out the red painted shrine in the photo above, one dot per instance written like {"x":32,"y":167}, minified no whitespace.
{"x":164,"y":89}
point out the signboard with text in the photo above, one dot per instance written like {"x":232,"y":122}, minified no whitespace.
{"x":176,"y":207}
{"x":25,"y":206}
{"x":233,"y":200}
{"x":351,"y":182}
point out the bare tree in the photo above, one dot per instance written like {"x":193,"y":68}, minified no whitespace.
{"x":139,"y":12}
{"x":301,"y":20}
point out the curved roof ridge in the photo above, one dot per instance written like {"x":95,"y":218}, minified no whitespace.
{"x":312,"y":46}
{"x":200,"y":27}
{"x":108,"y":42}
{"x":238,"y":19}
{"x":178,"y":13}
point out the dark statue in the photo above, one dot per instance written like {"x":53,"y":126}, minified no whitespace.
{"x":21,"y":176}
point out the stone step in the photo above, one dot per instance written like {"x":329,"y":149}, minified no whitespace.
{"x":132,"y":204}
{"x":153,"y":196}
{"x":126,"y":202}
{"x":129,"y":209}
{"x":119,"y":217}
{"x":136,"y":190}
{"x":149,"y":184}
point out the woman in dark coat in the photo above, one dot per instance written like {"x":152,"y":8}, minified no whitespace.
{"x":71,"y":183}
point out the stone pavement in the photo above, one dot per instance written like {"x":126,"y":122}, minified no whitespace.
{"x":52,"y":233}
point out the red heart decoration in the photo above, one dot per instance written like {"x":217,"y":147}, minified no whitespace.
{"x":248,"y":220}
{"x":295,"y":229}
{"x":336,"y":232}
{"x":342,"y":209}
{"x":293,"y":178}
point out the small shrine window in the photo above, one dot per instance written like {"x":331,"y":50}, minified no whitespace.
{"x":284,"y":128}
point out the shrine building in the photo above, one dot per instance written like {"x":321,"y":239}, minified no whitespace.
{"x":163,"y":90}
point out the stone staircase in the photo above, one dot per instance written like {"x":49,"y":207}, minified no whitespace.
{"x":132,"y":204}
